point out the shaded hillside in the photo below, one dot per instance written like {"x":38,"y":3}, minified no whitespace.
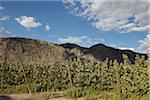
{"x":101,"y":52}
{"x":31,"y":51}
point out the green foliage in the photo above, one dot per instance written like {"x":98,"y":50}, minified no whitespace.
{"x":80,"y":77}
{"x":134,"y":77}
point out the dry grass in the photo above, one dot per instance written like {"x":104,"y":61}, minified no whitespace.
{"x":37,"y":96}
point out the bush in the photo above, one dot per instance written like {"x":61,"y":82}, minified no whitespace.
{"x":78,"y":76}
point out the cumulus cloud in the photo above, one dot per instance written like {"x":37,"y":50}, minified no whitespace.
{"x":118,"y":15}
{"x":28,"y":22}
{"x":145,"y":44}
{"x":69,"y":39}
{"x":125,"y":48}
{"x":1,"y":8}
{"x":4,"y":18}
{"x":4,"y":31}
{"x":47,"y":28}
{"x":92,"y":41}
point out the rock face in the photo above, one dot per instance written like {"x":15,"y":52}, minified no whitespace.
{"x":30,"y":51}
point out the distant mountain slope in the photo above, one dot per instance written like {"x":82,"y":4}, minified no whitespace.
{"x":101,"y":52}
{"x":31,"y":51}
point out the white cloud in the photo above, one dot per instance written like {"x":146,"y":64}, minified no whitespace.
{"x":47,"y":28}
{"x":1,"y":8}
{"x":145,"y":44}
{"x":4,"y":18}
{"x":92,"y":41}
{"x":4,"y":31}
{"x":118,"y":15}
{"x":28,"y":22}
{"x":125,"y":48}
{"x":69,"y":39}
{"x":72,"y":2}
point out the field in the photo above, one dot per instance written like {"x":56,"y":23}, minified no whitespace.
{"x":80,"y":78}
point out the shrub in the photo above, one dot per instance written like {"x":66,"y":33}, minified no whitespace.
{"x":78,"y":76}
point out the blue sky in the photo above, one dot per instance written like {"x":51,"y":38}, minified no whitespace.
{"x":63,"y":25}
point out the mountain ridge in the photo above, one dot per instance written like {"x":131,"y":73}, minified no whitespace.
{"x":31,"y":51}
{"x":101,"y":52}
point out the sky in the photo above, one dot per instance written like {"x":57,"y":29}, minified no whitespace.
{"x":116,"y":23}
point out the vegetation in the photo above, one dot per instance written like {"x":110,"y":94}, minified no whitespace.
{"x":81,"y":76}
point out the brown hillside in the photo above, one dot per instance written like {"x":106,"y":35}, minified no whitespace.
{"x":31,"y":51}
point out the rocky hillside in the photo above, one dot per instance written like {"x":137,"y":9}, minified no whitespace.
{"x":101,"y":52}
{"x":30,"y":51}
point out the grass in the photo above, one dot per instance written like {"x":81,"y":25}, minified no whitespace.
{"x":97,"y":94}
{"x":14,"y":89}
{"x":144,"y":97}
{"x":88,"y":94}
